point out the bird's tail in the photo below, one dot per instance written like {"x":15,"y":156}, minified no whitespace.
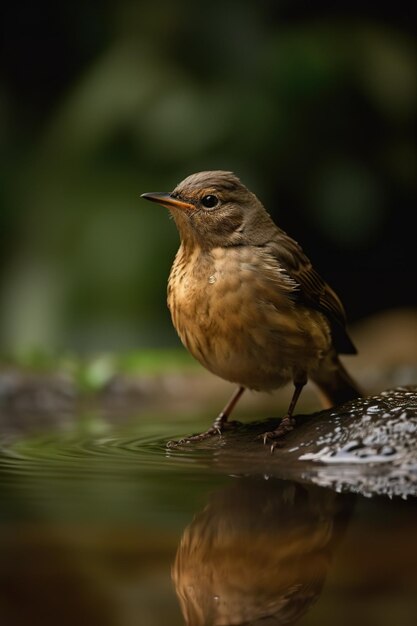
{"x":335,"y":384}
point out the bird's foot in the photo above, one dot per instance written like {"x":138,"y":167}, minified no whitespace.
{"x":274,"y":437}
{"x":217,"y":429}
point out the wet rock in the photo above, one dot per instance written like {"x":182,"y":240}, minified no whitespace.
{"x":370,"y":430}
{"x":369,"y":445}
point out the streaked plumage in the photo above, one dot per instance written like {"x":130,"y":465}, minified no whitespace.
{"x":244,"y":298}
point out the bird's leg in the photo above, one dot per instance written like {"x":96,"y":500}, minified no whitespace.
{"x":221,"y":422}
{"x":219,"y":425}
{"x":287,"y":423}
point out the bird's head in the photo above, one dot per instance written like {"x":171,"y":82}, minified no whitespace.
{"x":214,"y":209}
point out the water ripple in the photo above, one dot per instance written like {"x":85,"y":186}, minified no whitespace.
{"x":369,"y":444}
{"x":63,"y":454}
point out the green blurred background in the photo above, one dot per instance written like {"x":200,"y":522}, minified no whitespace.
{"x":313,"y":105}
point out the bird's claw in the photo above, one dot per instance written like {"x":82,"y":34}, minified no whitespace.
{"x":275,"y":436}
{"x":216,"y":430}
{"x":221,"y":426}
{"x":192,"y":438}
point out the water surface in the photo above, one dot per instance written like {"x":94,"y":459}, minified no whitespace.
{"x":102,"y":525}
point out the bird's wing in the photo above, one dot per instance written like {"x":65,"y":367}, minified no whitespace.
{"x":312,"y":289}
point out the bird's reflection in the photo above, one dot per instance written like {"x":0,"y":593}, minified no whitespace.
{"x":258,"y":553}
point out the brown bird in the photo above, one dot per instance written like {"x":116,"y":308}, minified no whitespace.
{"x":247,"y":302}
{"x":259,"y":552}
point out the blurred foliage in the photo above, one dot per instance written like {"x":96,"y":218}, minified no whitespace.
{"x":99,"y":102}
{"x":92,"y":372}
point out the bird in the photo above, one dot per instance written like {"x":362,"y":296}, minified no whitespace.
{"x":259,"y":552}
{"x":247,"y":302}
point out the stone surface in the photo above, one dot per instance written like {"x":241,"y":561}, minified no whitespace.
{"x":367,"y":446}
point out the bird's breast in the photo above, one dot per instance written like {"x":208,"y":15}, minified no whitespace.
{"x":234,"y":311}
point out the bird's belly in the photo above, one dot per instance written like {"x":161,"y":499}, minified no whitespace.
{"x":240,"y":334}
{"x":243,"y":356}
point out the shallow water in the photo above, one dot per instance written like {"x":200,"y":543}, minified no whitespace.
{"x":102,"y":525}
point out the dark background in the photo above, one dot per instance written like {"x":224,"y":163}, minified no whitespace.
{"x":313,"y":105}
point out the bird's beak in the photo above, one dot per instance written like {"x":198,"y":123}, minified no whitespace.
{"x":165,"y":199}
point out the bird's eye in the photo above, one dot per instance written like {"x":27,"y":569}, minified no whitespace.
{"x":209,"y":201}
